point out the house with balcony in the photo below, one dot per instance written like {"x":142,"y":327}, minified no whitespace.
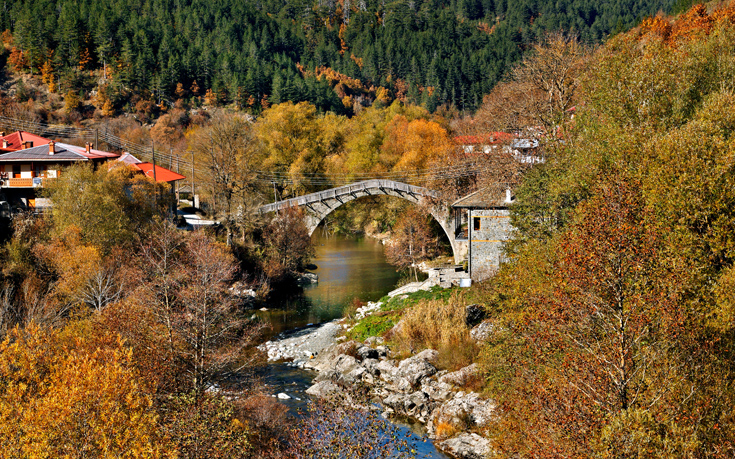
{"x":24,"y":171}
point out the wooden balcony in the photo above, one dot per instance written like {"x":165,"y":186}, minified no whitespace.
{"x":36,"y":182}
{"x":20,"y":183}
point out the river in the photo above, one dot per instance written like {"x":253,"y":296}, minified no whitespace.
{"x":348,"y":268}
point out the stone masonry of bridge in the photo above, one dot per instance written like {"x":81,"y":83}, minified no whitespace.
{"x":318,"y":205}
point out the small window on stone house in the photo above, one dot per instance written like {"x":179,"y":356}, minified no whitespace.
{"x":476,"y":224}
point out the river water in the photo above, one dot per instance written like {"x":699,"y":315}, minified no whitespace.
{"x":348,"y":268}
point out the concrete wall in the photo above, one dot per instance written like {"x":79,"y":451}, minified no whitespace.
{"x":488,"y":231}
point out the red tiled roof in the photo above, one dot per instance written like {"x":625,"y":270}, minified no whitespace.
{"x":92,"y":153}
{"x":16,"y":139}
{"x":162,"y":174}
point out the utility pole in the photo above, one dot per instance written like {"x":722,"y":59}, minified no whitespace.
{"x":177,"y":182}
{"x":193,"y":191}
{"x":153,"y":148}
{"x":97,"y":139}
{"x":155,"y":182}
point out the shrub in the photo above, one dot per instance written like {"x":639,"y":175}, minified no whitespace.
{"x":438,"y":324}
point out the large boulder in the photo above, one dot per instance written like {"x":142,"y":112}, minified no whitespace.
{"x":467,"y":446}
{"x":417,"y":405}
{"x":436,"y":390}
{"x":326,"y":359}
{"x":366,"y":352}
{"x":414,"y":369}
{"x":430,"y":355}
{"x":461,"y":376}
{"x":474,"y":314}
{"x":327,"y":390}
{"x":463,"y":412}
{"x":483,"y":331}
{"x":387,"y":370}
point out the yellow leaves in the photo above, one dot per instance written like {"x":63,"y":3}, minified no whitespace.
{"x":72,"y":260}
{"x":61,"y":399}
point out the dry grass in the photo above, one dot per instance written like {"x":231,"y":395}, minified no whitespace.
{"x":445,"y":430}
{"x":438,"y":324}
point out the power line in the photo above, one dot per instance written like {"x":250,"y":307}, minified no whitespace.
{"x":469,"y":168}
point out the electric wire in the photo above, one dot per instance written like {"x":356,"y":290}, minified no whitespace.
{"x":466,"y":169}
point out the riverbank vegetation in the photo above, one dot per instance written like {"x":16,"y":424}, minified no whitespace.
{"x":611,"y":332}
{"x":612,"y":308}
{"x":124,"y":336}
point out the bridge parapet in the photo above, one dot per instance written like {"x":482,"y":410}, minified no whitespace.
{"x":320,"y":204}
{"x":346,"y":190}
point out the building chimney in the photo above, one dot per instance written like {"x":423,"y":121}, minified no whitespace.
{"x":88,"y":146}
{"x":2,"y":133}
{"x":5,"y":143}
{"x":26,"y":144}
{"x":51,"y":147}
{"x":508,"y":196}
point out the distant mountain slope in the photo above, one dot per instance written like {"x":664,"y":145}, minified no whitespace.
{"x":425,"y":51}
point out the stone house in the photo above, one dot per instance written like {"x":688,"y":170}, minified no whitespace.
{"x":483,"y":220}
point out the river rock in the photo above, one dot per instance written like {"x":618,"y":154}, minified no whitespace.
{"x":461,"y":376}
{"x":417,"y":405}
{"x":415,"y":368}
{"x":327,"y":357}
{"x":387,"y":370}
{"x":474,"y":314}
{"x":345,"y":363}
{"x":467,"y":446}
{"x":436,"y":390}
{"x":382,"y":351}
{"x":463,"y":412}
{"x":326,"y":390}
{"x":366,"y":352}
{"x":374,"y":340}
{"x":430,"y":355}
{"x":483,"y":331}
{"x":307,"y":278}
{"x":371,"y":365}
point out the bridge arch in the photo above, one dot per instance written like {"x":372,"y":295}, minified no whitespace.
{"x":320,"y":204}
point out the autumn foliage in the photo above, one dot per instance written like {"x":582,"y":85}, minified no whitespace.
{"x":616,"y":340}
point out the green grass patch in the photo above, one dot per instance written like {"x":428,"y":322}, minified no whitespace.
{"x":374,"y":325}
{"x":398,"y":302}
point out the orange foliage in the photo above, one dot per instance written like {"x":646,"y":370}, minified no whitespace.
{"x":210,"y":98}
{"x":72,"y":260}
{"x":414,"y":145}
{"x":656,"y":25}
{"x":17,"y":59}
{"x":356,"y":60}
{"x":687,"y":26}
{"x":7,"y":38}
{"x":485,"y":28}
{"x":343,"y":44}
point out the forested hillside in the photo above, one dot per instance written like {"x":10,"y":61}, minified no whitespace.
{"x":336,"y":54}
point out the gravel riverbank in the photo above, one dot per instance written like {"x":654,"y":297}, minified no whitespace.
{"x":300,"y":346}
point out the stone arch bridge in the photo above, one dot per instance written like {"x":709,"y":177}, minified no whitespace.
{"x":320,"y":204}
